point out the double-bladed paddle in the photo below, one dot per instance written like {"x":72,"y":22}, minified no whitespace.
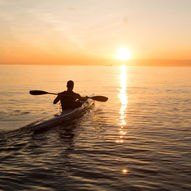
{"x":40,"y":92}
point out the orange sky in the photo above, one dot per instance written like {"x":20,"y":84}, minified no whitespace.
{"x":90,"y":32}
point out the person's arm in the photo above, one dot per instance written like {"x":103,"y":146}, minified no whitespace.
{"x":84,"y":98}
{"x":56,"y":99}
{"x":81,"y":98}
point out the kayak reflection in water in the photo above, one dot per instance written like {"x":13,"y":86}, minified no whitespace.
{"x":69,"y":99}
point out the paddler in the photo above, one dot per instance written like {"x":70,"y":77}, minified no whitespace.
{"x":69,"y":99}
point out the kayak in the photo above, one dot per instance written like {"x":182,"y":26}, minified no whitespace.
{"x":65,"y":116}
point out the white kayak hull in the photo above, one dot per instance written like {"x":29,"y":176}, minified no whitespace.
{"x":67,"y":115}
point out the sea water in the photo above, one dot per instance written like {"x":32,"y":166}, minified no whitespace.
{"x":140,"y":139}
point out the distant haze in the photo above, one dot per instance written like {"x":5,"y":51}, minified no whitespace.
{"x":90,"y":31}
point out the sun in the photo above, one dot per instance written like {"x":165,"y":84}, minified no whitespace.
{"x":123,"y":53}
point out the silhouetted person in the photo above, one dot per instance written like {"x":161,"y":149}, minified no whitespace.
{"x":69,"y":99}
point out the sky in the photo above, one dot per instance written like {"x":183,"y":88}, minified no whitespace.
{"x":91,"y":31}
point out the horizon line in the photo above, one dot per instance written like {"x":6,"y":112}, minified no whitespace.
{"x":131,"y":62}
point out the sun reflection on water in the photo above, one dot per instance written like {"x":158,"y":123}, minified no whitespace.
{"x":124,"y":101}
{"x":124,"y":171}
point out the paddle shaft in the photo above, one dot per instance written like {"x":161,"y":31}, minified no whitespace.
{"x":40,"y":92}
{"x":52,"y":93}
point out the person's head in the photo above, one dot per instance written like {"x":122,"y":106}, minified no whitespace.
{"x":70,"y":85}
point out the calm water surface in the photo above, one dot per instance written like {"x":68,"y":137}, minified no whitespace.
{"x":139,"y":140}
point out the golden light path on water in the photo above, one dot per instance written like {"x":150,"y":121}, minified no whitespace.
{"x":124,"y":101}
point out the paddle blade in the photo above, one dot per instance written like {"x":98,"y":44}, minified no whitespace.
{"x":99,"y":98}
{"x":37,"y":92}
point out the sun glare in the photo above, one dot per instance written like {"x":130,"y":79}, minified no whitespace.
{"x":123,"y":53}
